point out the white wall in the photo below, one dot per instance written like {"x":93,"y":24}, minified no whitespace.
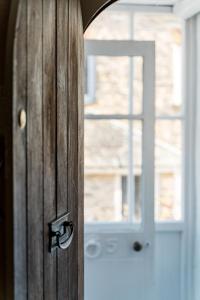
{"x":197,"y":169}
{"x":187,"y":8}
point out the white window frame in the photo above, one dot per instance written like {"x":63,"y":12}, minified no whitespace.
{"x":190,"y":97}
{"x":90,"y":85}
{"x":133,"y":49}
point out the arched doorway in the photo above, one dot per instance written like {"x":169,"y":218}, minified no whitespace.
{"x":33,"y":171}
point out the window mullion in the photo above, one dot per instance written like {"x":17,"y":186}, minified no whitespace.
{"x":131,"y":179}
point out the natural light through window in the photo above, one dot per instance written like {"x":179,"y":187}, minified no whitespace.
{"x":113,"y":144}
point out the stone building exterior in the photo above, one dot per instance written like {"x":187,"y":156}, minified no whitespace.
{"x":107,"y":151}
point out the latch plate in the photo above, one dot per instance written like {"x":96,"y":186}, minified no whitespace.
{"x":61,"y":232}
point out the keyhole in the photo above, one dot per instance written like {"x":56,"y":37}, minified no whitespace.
{"x":137,"y":247}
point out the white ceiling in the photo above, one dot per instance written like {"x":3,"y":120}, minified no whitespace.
{"x":151,"y":2}
{"x":183,"y":8}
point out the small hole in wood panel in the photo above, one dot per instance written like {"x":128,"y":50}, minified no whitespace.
{"x":22,"y":119}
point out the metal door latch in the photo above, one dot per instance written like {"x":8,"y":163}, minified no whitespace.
{"x":61,"y":232}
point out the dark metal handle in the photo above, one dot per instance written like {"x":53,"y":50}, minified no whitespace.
{"x":61,"y":233}
{"x":137,"y":246}
{"x":64,"y":241}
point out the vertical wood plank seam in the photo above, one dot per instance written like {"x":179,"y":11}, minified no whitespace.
{"x":78,"y":137}
{"x":27,"y":266}
{"x":26,"y":145}
{"x":77,"y":134}
{"x":43,"y":151}
{"x":68,"y":99}
{"x":49,"y":140}
{"x":80,"y":127}
{"x":77,"y":144}
{"x":80,"y":149}
{"x":42,"y":54}
{"x":35,"y":147}
{"x":78,"y":53}
{"x":56,"y":131}
{"x":68,"y":95}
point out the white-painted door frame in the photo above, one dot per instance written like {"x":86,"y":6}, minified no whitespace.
{"x":190,"y":99}
{"x":146,"y":50}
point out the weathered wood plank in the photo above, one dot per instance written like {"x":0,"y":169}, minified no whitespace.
{"x":2,"y":195}
{"x":49,"y":149}
{"x":19,"y":155}
{"x":62,"y":135}
{"x":35,"y":152}
{"x":8,"y":37}
{"x":73,"y":144}
{"x":80,"y":156}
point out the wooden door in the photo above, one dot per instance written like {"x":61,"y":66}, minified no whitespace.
{"x":42,"y":142}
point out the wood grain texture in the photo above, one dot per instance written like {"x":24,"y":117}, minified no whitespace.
{"x":6,"y":112}
{"x":35,"y":151}
{"x":62,"y":135}
{"x":80,"y":155}
{"x":43,"y":162}
{"x":19,"y":155}
{"x":49,"y":148}
{"x":73,"y":145}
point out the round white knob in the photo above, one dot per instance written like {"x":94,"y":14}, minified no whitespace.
{"x":93,"y":249}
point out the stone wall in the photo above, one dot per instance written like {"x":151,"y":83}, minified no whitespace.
{"x":106,"y":146}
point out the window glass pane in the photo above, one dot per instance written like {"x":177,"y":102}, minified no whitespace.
{"x":168,"y":170}
{"x":114,"y":85}
{"x":137,"y":137}
{"x":112,"y":82}
{"x":137,"y":85}
{"x":110,"y":180}
{"x":106,"y":161}
{"x":117,"y":22}
{"x":166,"y":31}
{"x":138,"y":199}
{"x":132,"y":183}
{"x":90,"y":80}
